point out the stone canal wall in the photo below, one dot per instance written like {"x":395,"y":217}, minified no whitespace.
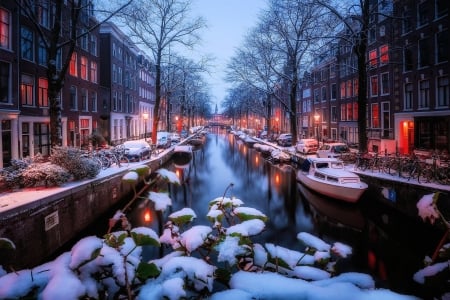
{"x":42,"y":226}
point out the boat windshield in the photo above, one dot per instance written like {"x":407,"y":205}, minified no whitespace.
{"x":337,"y":165}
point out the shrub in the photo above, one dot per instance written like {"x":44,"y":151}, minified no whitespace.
{"x":11,"y":177}
{"x":44,"y":174}
{"x":73,"y":160}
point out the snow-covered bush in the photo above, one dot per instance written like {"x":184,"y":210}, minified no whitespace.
{"x":44,"y":174}
{"x":436,"y":272}
{"x":73,"y":160}
{"x":11,"y":176}
{"x":217,"y":262}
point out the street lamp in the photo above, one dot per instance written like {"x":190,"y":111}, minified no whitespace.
{"x":316,"y":120}
{"x":145,"y":116}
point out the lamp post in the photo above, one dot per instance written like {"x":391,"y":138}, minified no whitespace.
{"x":145,"y":116}
{"x":316,"y":120}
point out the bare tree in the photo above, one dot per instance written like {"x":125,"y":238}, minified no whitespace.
{"x":356,"y":20}
{"x":59,"y":37}
{"x":158,"y":24}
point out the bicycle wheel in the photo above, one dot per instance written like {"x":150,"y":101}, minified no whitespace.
{"x":425,"y":175}
{"x":393,"y":168}
{"x":124,"y":161}
{"x":106,"y":163}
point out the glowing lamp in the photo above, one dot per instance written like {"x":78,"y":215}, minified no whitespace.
{"x":147,"y":215}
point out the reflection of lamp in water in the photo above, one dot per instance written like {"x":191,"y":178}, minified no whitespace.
{"x":316,"y":120}
{"x":277,"y":178}
{"x":145,"y":117}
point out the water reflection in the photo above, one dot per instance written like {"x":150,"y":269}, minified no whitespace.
{"x":385,"y":244}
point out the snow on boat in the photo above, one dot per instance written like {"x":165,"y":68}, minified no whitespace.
{"x":328,"y":177}
{"x":182,"y":155}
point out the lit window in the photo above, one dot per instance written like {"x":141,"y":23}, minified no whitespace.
{"x":93,"y":72}
{"x":375,"y":116}
{"x":84,"y":66}
{"x":43,"y":92}
{"x":26,"y":90}
{"x":373,"y":58}
{"x":374,"y":85}
{"x":73,"y":65}
{"x":384,"y":54}
{"x":4,"y":29}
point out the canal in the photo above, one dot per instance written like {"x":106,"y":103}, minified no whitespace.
{"x":386,"y":243}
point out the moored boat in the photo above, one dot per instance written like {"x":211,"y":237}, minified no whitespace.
{"x":329,"y":177}
{"x":182,"y":155}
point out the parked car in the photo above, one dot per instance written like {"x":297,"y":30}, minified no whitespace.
{"x":163,"y":139}
{"x":284,"y":139}
{"x":307,"y":146}
{"x":332,"y":150}
{"x":137,"y":150}
{"x":175,"y":137}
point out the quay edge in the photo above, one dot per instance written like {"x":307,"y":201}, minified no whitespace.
{"x":41,"y":227}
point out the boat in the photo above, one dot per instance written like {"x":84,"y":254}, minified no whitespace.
{"x":329,"y":177}
{"x":182,"y":155}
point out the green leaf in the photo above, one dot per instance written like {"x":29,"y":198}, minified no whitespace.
{"x":144,"y":240}
{"x":146,"y":270}
{"x":246,"y":217}
{"x":279,"y":262}
{"x":181,"y":220}
{"x":222,"y":275}
{"x":7,"y":244}
{"x":142,"y":170}
{"x":113,"y":241}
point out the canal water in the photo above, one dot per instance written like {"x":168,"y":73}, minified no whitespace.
{"x":386,"y":243}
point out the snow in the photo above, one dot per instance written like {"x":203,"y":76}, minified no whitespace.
{"x":161,"y":200}
{"x":71,"y":275}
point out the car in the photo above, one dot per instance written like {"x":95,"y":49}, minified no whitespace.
{"x":163,"y":139}
{"x":137,"y":150}
{"x":307,"y":146}
{"x":175,"y":137}
{"x":284,"y":139}
{"x":332,"y":150}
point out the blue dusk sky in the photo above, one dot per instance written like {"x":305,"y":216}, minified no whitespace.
{"x":228,"y":22}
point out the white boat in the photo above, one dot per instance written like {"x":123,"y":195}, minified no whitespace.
{"x":182,"y":155}
{"x":328,"y":177}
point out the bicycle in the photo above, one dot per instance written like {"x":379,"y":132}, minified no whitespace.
{"x":436,"y":170}
{"x":117,"y":156}
{"x":362,"y":161}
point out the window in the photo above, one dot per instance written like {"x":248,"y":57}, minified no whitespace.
{"x":44,"y":14}
{"x":407,"y":24}
{"x":373,"y":58}
{"x":408,"y":101}
{"x":334,"y":116}
{"x":355,"y":87}
{"x":375,"y":115}
{"x":4,"y":29}
{"x":355,"y":110}
{"x":333,"y":91}
{"x":384,"y":54}
{"x":443,"y":92}
{"x":373,"y":86}
{"x":424,"y":52}
{"x":424,"y":94}
{"x":114,"y":101}
{"x":84,"y":40}
{"x":94,"y":72}
{"x":442,"y":47}
{"x":84,"y":100}
{"x":42,"y":53}
{"x":349,"y":112}
{"x":348,"y":90}
{"x":94,"y":101}
{"x":114,"y":73}
{"x":342,"y":90}
{"x":119,"y":102}
{"x":93,"y":45}
{"x":26,"y":90}
{"x":386,"y":114}
{"x":384,"y":83}
{"x":43,"y":92}
{"x":73,"y":98}
{"x":4,"y":82}
{"x":316,"y":95}
{"x":324,"y":94}
{"x":423,"y":13}
{"x":84,"y":68}
{"x":343,"y":112}
{"x":408,"y":59}
{"x":26,"y":43}
{"x":73,"y":65}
